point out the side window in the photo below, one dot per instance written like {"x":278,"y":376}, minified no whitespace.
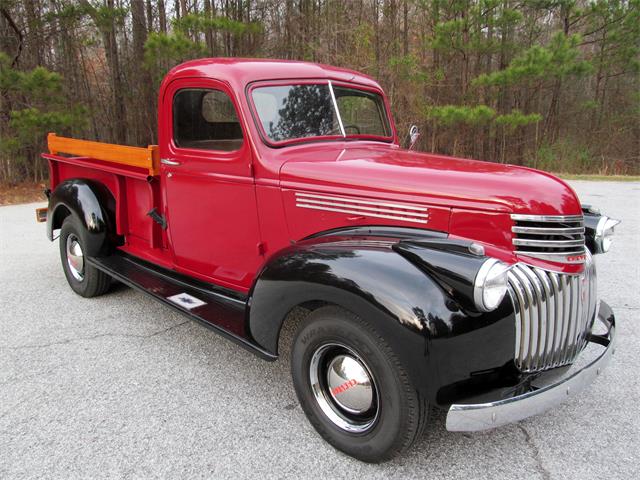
{"x":206,"y":120}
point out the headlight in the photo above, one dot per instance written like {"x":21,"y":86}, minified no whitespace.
{"x":490,"y":285}
{"x":604,"y":233}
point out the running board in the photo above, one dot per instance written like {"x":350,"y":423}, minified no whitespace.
{"x":224,"y":314}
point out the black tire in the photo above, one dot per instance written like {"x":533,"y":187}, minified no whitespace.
{"x":398,"y":414}
{"x":87,"y":281}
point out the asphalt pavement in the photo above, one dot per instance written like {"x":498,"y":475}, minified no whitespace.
{"x":122,"y":387}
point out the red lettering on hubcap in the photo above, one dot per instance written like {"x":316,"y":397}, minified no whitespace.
{"x":344,"y":387}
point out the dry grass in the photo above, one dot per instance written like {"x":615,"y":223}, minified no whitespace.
{"x":11,"y":194}
{"x":599,"y":178}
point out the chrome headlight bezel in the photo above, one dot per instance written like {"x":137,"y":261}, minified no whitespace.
{"x":604,"y":233}
{"x":490,"y":285}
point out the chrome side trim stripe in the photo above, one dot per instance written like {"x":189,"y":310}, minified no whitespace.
{"x":547,"y":218}
{"x":367,"y":208}
{"x":548,"y":231}
{"x":404,"y":206}
{"x":548,"y":243}
{"x":360,"y":243}
{"x":360,"y":207}
{"x":367,"y":214}
{"x":550,"y":254}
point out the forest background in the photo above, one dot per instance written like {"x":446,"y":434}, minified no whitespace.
{"x":552,"y":84}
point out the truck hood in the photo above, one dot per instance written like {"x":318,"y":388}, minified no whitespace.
{"x":389,"y":172}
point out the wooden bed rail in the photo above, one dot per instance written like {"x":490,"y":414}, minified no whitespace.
{"x":146,"y":158}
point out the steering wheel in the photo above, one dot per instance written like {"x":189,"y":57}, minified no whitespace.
{"x":334,"y":131}
{"x":337,"y":131}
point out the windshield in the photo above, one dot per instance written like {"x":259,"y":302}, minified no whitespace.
{"x":289,"y":112}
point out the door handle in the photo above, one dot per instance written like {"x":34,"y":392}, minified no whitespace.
{"x":168,"y":161}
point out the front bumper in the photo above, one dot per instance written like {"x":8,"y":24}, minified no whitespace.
{"x":484,"y":416}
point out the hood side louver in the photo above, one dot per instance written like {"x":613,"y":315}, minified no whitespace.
{"x":365,"y":207}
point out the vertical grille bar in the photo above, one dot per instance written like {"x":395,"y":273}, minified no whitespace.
{"x":559,"y":323}
{"x":566,"y":309}
{"x":530,"y":318}
{"x":554,"y":313}
{"x":550,"y":307}
{"x":541,"y":319}
{"x":523,"y":333}
{"x":580,"y":323}
{"x":571,"y":322}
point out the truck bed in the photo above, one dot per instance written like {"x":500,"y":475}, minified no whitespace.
{"x":131,"y":174}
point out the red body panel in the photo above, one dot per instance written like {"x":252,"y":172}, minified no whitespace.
{"x":438,"y":180}
{"x":210,"y":201}
{"x":227,"y":212}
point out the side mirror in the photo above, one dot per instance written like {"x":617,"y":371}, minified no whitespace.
{"x":414,"y":135}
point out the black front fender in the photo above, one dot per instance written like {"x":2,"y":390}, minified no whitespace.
{"x":92,"y":204}
{"x":441,"y":342}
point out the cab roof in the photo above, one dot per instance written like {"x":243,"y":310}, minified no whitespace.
{"x":239,"y":72}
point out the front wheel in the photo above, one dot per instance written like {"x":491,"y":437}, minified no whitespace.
{"x":83,"y":278}
{"x":353,"y":388}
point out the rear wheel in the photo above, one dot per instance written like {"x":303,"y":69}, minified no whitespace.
{"x":353,"y":388}
{"x":83,"y":278}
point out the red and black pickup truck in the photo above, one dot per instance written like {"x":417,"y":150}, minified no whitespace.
{"x":429,"y":281}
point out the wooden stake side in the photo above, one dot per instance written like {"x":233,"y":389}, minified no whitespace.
{"x":147,"y":158}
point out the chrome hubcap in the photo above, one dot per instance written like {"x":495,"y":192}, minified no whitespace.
{"x":344,"y":388}
{"x":75,"y":257}
{"x":349,"y":384}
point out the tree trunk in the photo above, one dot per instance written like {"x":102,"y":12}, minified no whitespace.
{"x":145,"y":123}
{"x":552,"y":125}
{"x":162,"y":16}
{"x":108,"y":32}
{"x":209,"y":32}
{"x":34,"y":33}
{"x":499,"y":146}
{"x":405,"y":28}
{"x":149,"y":17}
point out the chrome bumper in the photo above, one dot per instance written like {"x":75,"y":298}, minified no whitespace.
{"x":484,"y":416}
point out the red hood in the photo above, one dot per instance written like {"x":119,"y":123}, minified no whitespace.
{"x":384,"y":171}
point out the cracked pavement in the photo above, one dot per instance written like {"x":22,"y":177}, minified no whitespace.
{"x":121,"y":386}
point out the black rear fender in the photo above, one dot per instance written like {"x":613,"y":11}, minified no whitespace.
{"x":92,"y":204}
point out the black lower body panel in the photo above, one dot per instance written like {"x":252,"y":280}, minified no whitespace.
{"x":207,"y":306}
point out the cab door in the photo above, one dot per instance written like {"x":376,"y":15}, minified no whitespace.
{"x":210,"y":203}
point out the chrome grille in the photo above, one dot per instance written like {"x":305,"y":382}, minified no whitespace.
{"x":554,"y":314}
{"x":551,"y":237}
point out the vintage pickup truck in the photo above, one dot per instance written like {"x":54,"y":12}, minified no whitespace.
{"x":429,"y":281}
